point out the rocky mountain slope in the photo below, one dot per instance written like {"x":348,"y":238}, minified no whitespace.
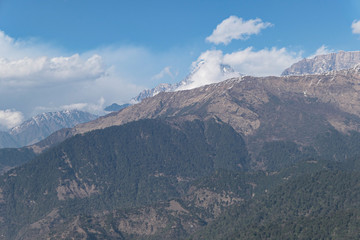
{"x":116,"y":107}
{"x":41,"y":126}
{"x":324,"y":63}
{"x":268,"y":108}
{"x":13,"y":157}
{"x":6,"y":140}
{"x":163,"y":87}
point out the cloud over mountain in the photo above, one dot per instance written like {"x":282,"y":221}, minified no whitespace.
{"x":264,"y":62}
{"x":206,"y":70}
{"x":165,"y":72}
{"x":10,"y":118}
{"x":248,"y":62}
{"x":322,"y":51}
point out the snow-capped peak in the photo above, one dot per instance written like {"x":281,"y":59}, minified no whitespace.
{"x":42,"y":125}
{"x":203,"y":72}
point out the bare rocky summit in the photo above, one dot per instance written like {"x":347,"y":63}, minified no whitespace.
{"x":324,"y":63}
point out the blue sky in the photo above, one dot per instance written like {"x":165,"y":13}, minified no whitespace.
{"x":85,"y":54}
{"x":81,"y":25}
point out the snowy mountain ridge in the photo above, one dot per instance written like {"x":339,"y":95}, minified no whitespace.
{"x":198,"y":77}
{"x":41,"y":126}
{"x":324,"y":63}
{"x":61,"y":118}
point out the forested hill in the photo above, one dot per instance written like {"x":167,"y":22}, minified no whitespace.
{"x":320,"y":205}
{"x":125,"y":166}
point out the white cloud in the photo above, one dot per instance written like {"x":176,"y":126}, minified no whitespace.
{"x":27,"y":63}
{"x":207,"y":70}
{"x":35,"y":74}
{"x":322,"y":51}
{"x":14,"y":49}
{"x":95,"y":108}
{"x":163,"y":73}
{"x":355,"y":26}
{"x":264,"y":62}
{"x":44,"y":70}
{"x":10,"y":118}
{"x":236,"y":28}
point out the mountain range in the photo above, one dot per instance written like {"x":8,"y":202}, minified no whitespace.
{"x":324,"y":63}
{"x":41,"y":126}
{"x":263,"y":108}
{"x":245,"y":158}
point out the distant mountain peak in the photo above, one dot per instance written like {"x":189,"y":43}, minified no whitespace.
{"x":162,"y":87}
{"x":198,"y":77}
{"x":116,"y":107}
{"x":195,"y":79}
{"x":42,"y":125}
{"x":324,"y":63}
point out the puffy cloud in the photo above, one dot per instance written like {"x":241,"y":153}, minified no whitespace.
{"x":355,"y":26}
{"x":163,"y":73}
{"x":44,"y":70}
{"x":96,"y":108}
{"x":28,"y":62}
{"x":236,"y":28}
{"x":264,"y":62}
{"x":207,"y":69}
{"x":36,"y":74}
{"x":10,"y":118}
{"x":24,"y":63}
